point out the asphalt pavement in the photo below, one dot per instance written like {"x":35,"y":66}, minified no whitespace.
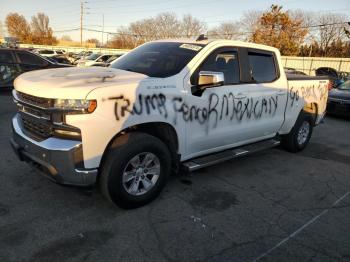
{"x":270,"y":206}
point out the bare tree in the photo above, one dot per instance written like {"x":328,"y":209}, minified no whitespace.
{"x":162,"y":26}
{"x":124,"y":39}
{"x":227,"y":30}
{"x":167,"y":25}
{"x":250,"y":23}
{"x":93,"y":41}
{"x":330,"y":30}
{"x":143,"y":31}
{"x":191,"y":26}
{"x":42,"y":32}
{"x":66,"y":38}
{"x":17,"y":26}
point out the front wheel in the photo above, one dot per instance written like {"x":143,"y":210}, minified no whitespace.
{"x":135,"y":170}
{"x":300,"y":135}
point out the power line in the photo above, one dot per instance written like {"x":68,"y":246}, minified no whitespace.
{"x":178,"y":36}
{"x":131,"y":5}
{"x":185,"y":35}
{"x":323,"y":25}
{"x":81,"y":21}
{"x":152,"y":10}
{"x":66,"y":30}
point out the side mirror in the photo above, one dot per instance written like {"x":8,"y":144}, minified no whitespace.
{"x":210,"y":79}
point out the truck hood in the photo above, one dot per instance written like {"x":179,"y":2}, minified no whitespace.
{"x":74,"y":83}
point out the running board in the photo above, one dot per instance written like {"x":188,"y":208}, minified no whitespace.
{"x":215,"y":158}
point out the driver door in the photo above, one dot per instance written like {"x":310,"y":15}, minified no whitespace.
{"x":214,"y":124}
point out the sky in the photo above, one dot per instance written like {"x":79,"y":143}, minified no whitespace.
{"x":65,"y":14}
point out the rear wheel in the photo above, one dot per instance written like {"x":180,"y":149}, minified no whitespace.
{"x":300,"y":135}
{"x":135,"y":170}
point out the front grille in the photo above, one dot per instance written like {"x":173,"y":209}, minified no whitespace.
{"x":34,"y":100}
{"x":38,"y":121}
{"x":40,"y":129}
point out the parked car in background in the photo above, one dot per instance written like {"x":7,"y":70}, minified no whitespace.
{"x":289,"y":70}
{"x":93,"y":59}
{"x":61,"y":51}
{"x":48,"y":52}
{"x":339,"y":100}
{"x":331,"y":73}
{"x":75,"y":57}
{"x":14,"y":62}
{"x":108,"y":62}
{"x":72,"y":57}
{"x":84,"y":53}
{"x":344,"y":76}
{"x":62,"y":59}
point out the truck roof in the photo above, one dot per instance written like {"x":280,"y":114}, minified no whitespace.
{"x":220,"y":41}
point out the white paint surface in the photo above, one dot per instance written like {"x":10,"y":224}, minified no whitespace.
{"x":116,"y":89}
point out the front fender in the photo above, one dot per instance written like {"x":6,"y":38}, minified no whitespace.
{"x":120,"y":108}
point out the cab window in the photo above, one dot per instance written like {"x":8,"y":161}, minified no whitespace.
{"x":262,"y":66}
{"x":225,"y":61}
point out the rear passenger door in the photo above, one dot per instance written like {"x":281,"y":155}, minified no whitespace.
{"x":269,"y":90}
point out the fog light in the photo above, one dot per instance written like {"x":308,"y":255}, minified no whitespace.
{"x":67,"y":133}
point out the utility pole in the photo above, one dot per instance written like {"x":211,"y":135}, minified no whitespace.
{"x":103,"y":28}
{"x":81,"y":21}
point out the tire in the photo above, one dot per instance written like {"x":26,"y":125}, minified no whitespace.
{"x":135,"y":170}
{"x":300,"y":135}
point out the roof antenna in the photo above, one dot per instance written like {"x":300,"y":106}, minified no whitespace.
{"x":201,"y":37}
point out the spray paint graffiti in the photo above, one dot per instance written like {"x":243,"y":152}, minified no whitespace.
{"x":316,"y":93}
{"x":225,"y":107}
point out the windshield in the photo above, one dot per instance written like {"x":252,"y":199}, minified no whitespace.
{"x":158,"y":59}
{"x":93,"y":56}
{"x":345,"y":85}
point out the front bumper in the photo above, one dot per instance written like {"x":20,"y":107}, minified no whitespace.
{"x":60,"y":159}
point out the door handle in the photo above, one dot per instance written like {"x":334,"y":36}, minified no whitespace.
{"x":281,"y":93}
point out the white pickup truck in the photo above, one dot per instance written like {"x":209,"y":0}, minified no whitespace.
{"x":165,"y":105}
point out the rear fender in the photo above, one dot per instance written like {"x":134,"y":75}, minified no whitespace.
{"x":305,"y":96}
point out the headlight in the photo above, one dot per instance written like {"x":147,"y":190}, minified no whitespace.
{"x":76,"y":106}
